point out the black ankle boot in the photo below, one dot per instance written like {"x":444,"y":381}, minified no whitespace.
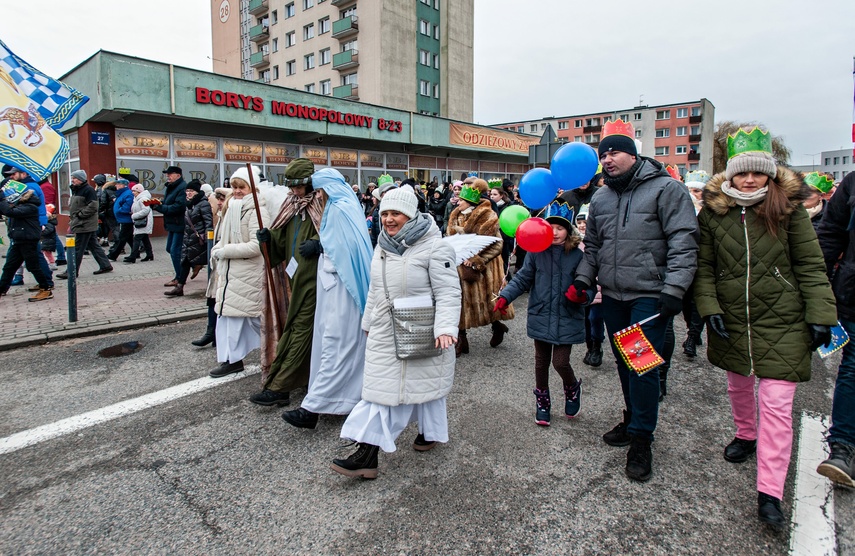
{"x":740,"y":450}
{"x":361,"y":463}
{"x":596,"y":354}
{"x":301,"y":418}
{"x":587,"y":359}
{"x":769,"y":511}
{"x":618,"y":435}
{"x":639,"y":459}
{"x":499,"y":331}
{"x":208,"y":337}
{"x":690,"y":346}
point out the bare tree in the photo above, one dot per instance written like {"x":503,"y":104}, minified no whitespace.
{"x":729,"y":127}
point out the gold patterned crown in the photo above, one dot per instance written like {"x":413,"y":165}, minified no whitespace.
{"x":820,"y":182}
{"x":618,"y":127}
{"x":752,"y":141}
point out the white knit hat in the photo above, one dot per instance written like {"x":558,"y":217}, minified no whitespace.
{"x":401,"y":199}
{"x":244,"y":175}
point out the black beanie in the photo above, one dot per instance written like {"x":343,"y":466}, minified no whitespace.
{"x":195,"y":185}
{"x":617,"y":143}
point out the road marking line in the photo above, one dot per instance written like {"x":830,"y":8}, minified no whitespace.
{"x":30,"y":437}
{"x":813,"y":500}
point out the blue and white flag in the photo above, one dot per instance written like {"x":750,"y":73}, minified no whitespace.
{"x":32,"y":107}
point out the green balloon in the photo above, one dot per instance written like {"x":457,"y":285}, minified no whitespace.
{"x":511,"y":218}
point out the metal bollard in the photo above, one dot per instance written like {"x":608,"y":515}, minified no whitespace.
{"x":210,"y":247}
{"x":71,"y":269}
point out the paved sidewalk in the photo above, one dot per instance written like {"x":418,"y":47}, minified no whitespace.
{"x":129,"y":297}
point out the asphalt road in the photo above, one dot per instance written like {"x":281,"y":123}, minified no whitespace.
{"x":213,"y":474}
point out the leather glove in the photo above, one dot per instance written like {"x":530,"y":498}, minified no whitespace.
{"x":576,"y":293}
{"x":716,"y":324}
{"x":263,"y":235}
{"x":310,"y":248}
{"x":820,"y":335}
{"x":670,"y":305}
{"x":501,"y":305}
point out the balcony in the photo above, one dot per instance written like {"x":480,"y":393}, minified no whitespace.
{"x":260,"y":32}
{"x":257,"y":6}
{"x":259,"y":59}
{"x":345,"y":27}
{"x":349,"y":92}
{"x":592,"y":128}
{"x":263,"y":79}
{"x":694,"y":138}
{"x":695,"y":119}
{"x":341,"y":2}
{"x":694,"y":156}
{"x":345,"y":60}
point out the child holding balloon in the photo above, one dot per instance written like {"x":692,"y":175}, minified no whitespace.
{"x":554,"y":323}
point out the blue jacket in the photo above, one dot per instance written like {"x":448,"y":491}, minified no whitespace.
{"x":548,"y":274}
{"x":122,"y":205}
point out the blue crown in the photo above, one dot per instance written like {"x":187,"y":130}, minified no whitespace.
{"x":472,"y":175}
{"x":560,"y":209}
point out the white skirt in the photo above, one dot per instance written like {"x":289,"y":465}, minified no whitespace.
{"x":236,"y":337}
{"x":381,"y":425}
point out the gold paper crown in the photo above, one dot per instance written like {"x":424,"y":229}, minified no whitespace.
{"x":752,"y":141}
{"x":619,"y":127}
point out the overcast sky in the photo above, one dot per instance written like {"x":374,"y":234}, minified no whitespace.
{"x":785,"y":63}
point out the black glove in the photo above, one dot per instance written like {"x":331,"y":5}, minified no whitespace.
{"x":263,"y":235}
{"x":580,"y":285}
{"x":820,"y":335}
{"x":669,"y":305}
{"x":310,"y":248}
{"x":716,"y":324}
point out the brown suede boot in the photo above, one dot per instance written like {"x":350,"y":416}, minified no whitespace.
{"x":177,"y":291}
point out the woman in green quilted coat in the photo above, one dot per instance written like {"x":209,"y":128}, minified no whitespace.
{"x":761,"y":285}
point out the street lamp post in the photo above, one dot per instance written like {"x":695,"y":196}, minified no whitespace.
{"x":812,"y":160}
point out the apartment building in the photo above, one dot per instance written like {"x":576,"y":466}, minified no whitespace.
{"x":413,"y":55}
{"x":838,"y":163}
{"x":678,"y":134}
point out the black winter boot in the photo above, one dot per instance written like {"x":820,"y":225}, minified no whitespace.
{"x":542,"y":406}
{"x":597,"y":354}
{"x":690,"y":346}
{"x":587,"y":359}
{"x":462,"y":346}
{"x":361,"y":463}
{"x":840,"y":465}
{"x":206,"y":338}
{"x":618,"y":435}
{"x":639,"y":459}
{"x":769,"y":511}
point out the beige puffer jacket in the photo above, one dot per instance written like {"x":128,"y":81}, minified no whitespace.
{"x":240,"y":270}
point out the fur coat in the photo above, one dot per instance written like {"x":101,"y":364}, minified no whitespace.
{"x":479,"y":296}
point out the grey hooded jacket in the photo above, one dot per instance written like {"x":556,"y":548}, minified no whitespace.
{"x":644,"y":241}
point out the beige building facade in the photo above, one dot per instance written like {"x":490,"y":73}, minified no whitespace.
{"x":414,"y":55}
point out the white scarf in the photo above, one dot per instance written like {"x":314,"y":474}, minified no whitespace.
{"x":744,"y":199}
{"x":230,"y":231}
{"x":814,"y":210}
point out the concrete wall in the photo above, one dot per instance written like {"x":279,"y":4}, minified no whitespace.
{"x":457,"y":66}
{"x":225,"y":37}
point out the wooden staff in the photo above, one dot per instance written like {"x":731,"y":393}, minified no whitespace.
{"x":264,"y":247}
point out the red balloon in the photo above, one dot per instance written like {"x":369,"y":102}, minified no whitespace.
{"x":534,"y":235}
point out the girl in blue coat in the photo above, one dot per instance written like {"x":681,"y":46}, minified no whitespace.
{"x":554,"y":323}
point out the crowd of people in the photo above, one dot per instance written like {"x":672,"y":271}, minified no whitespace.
{"x":365,"y":297}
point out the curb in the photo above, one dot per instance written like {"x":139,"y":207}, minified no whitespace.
{"x":95,"y":329}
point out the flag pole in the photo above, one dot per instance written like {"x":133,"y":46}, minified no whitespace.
{"x":271,"y":288}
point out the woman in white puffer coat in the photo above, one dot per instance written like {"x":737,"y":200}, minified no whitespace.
{"x":397,"y":392}
{"x":141,"y":213}
{"x":240,"y":272}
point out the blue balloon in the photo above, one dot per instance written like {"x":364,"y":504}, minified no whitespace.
{"x":538,"y":188}
{"x":573,"y":165}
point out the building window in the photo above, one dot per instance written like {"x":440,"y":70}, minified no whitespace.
{"x":326,"y":87}
{"x":662,"y":151}
{"x":663,"y":114}
{"x":309,"y":61}
{"x":436,"y":4}
{"x":562,"y":125}
{"x":577,"y":123}
{"x":351,"y":11}
{"x":682,"y":112}
{"x":521,"y":128}
{"x":349,"y":79}
{"x":274,"y":17}
{"x":638,"y":133}
{"x":424,"y":27}
{"x":624,"y":117}
{"x":325,"y":56}
{"x":827,"y":161}
{"x":695,"y":149}
{"x":835,"y":174}
{"x":681,"y":131}
{"x":542,"y":126}
{"x":845,"y":160}
{"x":663,"y":132}
{"x":836,"y":160}
{"x":436,"y":61}
{"x":308,"y":31}
{"x":424,"y":88}
{"x":264,"y":76}
{"x":592,"y":138}
{"x":290,"y":39}
{"x":275,"y":72}
{"x":275,"y":45}
{"x":592,"y":121}
{"x":424,"y":57}
{"x":323,"y":26}
{"x":436,"y":32}
{"x":696,"y":111}
{"x":680,"y":149}
{"x":349,"y":45}
{"x":291,"y":67}
{"x":289,"y":10}
{"x":577,"y":139}
{"x":308,"y":4}
{"x":425,"y":2}
{"x":310,"y":88}
{"x":533,"y":128}
{"x":436,"y":91}
{"x":636,"y":116}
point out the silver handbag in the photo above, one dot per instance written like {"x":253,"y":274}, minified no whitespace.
{"x":412,"y":329}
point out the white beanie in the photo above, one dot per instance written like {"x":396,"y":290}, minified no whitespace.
{"x":241,"y":173}
{"x":759,"y":161}
{"x":207,"y":189}
{"x":401,"y":199}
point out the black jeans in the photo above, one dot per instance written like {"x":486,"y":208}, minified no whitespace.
{"x":126,"y":236}
{"x":141,"y":241}
{"x":23,"y":252}
{"x":87,"y":241}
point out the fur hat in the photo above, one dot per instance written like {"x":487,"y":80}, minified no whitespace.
{"x":757,"y":161}
{"x":242,"y":174}
{"x":79,"y":174}
{"x":401,"y":199}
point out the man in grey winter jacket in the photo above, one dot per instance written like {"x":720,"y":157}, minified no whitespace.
{"x":641,"y":247}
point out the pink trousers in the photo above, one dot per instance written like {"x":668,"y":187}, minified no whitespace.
{"x":774,"y":432}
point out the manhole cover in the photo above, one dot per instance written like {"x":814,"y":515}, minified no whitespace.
{"x":121,"y":350}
